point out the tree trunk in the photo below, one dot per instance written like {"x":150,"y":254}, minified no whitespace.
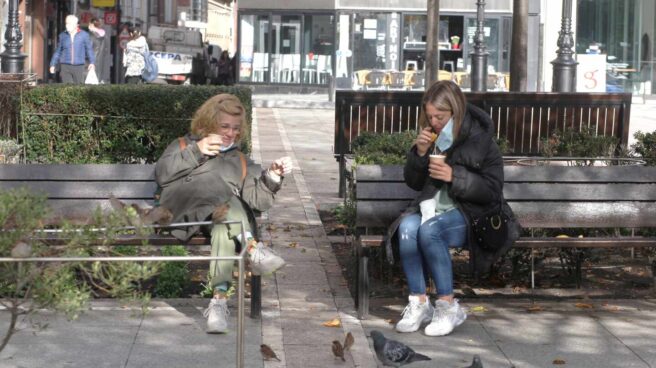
{"x":432,"y":38}
{"x":518,"y":48}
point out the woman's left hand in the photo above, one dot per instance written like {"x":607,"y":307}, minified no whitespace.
{"x":440,"y":171}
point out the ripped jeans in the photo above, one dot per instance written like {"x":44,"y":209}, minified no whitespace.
{"x":428,"y":246}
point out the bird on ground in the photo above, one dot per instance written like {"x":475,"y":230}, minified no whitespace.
{"x":268,"y":353}
{"x":348,"y":341}
{"x":476,"y":363}
{"x":393,"y":353}
{"x":338,"y":350}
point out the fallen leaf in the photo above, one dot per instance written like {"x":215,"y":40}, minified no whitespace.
{"x":558,"y":361}
{"x":478,"y":308}
{"x":562,"y":236}
{"x":583,"y":305}
{"x":287,"y":228}
{"x":303,"y":250}
{"x":332,"y":323}
{"x":292,"y":245}
{"x":271,"y":227}
{"x":534,"y":308}
{"x":390,"y":321}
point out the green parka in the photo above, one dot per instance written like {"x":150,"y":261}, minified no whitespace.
{"x":193,"y":184}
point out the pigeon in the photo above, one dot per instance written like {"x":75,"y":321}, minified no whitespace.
{"x":476,"y":363}
{"x":268,"y":353}
{"x":348,"y":341}
{"x":338,"y":350}
{"x":393,"y":353}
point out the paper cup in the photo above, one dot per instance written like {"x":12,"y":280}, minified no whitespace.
{"x":437,"y":158}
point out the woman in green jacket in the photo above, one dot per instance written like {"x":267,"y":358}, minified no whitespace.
{"x":205,"y":176}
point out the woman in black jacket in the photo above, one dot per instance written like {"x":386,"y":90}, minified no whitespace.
{"x":467,"y":183}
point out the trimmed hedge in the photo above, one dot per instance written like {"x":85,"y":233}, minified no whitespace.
{"x":112,"y":123}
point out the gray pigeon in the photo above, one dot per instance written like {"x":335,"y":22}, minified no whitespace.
{"x":393,"y":353}
{"x":476,"y":363}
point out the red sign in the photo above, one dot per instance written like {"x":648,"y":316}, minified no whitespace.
{"x":111,"y":18}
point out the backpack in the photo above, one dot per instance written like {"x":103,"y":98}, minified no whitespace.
{"x":151,"y":69}
{"x":183,"y":144}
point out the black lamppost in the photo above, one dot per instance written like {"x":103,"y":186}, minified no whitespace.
{"x":564,"y":66}
{"x":479,"y":55}
{"x":13,"y":61}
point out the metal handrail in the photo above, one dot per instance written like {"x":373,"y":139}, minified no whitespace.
{"x":527,"y":160}
{"x":239,"y":258}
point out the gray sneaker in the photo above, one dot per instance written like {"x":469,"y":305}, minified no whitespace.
{"x":217,"y":316}
{"x":264,"y":260}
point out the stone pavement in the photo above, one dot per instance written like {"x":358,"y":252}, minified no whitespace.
{"x":310,"y":290}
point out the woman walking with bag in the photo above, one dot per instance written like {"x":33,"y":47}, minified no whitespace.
{"x":456,"y":188}
{"x":133,"y":56}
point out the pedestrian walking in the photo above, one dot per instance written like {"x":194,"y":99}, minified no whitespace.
{"x":100,"y":49}
{"x":225,"y":69}
{"x":204,"y":176}
{"x":73,"y":50}
{"x":133,"y":56}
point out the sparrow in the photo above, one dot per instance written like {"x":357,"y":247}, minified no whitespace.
{"x":348,"y":341}
{"x":338,"y":350}
{"x":268,"y":353}
{"x":393,"y":353}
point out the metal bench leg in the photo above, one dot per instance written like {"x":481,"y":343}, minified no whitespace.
{"x":532,"y":268}
{"x":363,"y":282}
{"x":342,"y":176}
{"x":256,"y":296}
{"x":578,"y":268}
{"x":653,"y":271}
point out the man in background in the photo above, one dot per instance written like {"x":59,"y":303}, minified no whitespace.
{"x":74,"y":48}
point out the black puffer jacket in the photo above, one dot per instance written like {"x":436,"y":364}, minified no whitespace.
{"x":477,"y":185}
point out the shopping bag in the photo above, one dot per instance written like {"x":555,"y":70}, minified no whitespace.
{"x":92,"y":78}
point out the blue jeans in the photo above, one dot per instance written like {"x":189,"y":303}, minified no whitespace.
{"x":428,"y":245}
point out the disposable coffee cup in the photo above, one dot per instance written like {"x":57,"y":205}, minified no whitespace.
{"x":437,"y":158}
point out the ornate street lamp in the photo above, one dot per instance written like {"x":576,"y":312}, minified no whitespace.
{"x":13,"y":61}
{"x":479,"y":55}
{"x":564,"y":66}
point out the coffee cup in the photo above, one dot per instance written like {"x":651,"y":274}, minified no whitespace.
{"x":437,"y":158}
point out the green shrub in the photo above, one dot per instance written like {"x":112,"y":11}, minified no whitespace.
{"x":112,"y":123}
{"x":646,"y":146}
{"x":583,"y":143}
{"x":382,"y":148}
{"x":173,"y":275}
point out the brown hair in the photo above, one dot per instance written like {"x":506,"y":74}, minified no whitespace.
{"x":207,"y":118}
{"x":446,"y":96}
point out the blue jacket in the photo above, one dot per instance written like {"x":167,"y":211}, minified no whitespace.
{"x":65,"y":54}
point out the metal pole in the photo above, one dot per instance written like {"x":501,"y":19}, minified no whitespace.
{"x":479,"y":55}
{"x":432,"y":62}
{"x":564,"y":66}
{"x":13,"y":61}
{"x":240,"y":298}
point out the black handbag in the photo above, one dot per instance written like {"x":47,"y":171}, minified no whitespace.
{"x":493,"y":229}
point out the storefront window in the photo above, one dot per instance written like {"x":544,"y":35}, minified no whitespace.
{"x":612,"y":28}
{"x":376,"y":41}
{"x":414,"y":41}
{"x":318,"y":47}
{"x":254,"y":49}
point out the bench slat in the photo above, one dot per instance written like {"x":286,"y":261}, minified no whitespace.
{"x":547,"y":174}
{"x":155,"y":239}
{"x":535,"y":214}
{"x":78,"y":172}
{"x":87,"y":190}
{"x":525,"y":191}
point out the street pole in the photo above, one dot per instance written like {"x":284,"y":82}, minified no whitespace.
{"x":564,"y":66}
{"x":432,"y":62}
{"x":479,"y":55}
{"x":13,"y":61}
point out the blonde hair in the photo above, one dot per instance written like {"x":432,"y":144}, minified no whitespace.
{"x":207,"y":118}
{"x":445,"y":96}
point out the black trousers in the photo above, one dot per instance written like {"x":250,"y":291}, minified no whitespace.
{"x":72,"y":73}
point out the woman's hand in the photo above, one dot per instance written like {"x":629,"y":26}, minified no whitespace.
{"x":441,"y":171}
{"x":281,"y":166}
{"x":424,"y":140}
{"x":210,"y":145}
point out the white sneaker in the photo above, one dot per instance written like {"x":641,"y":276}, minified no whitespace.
{"x":217,"y":316}
{"x":446,"y":317}
{"x":264,"y":260}
{"x":414,"y":314}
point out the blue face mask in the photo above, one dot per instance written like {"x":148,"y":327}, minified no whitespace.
{"x":445,"y":139}
{"x":225,"y":148}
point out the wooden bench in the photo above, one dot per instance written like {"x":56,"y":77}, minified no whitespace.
{"x":523,"y":118}
{"x":75,"y":191}
{"x":541,"y":197}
